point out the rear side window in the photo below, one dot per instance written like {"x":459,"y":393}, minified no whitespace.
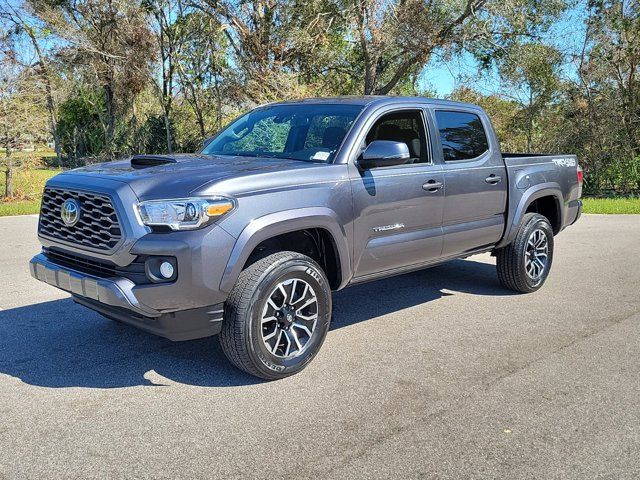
{"x":462,"y":135}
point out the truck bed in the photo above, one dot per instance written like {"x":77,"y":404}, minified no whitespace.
{"x":553,"y":173}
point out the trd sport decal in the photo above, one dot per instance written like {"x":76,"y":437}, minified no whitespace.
{"x":395,"y":226}
{"x":565,"y":162}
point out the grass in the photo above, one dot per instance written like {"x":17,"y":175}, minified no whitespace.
{"x":612,"y":205}
{"x":28,"y":185}
{"x":22,"y":207}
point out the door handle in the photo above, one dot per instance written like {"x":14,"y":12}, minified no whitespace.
{"x":432,"y":186}
{"x":492,"y":179}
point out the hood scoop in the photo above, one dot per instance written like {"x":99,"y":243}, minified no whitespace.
{"x":145,"y":161}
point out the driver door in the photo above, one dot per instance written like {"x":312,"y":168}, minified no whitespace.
{"x":397,"y":209}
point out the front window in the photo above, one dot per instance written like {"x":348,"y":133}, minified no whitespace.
{"x":405,"y":126}
{"x":308,"y":132}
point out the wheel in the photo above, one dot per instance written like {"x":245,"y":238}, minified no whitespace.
{"x":277,"y":315}
{"x":524,"y":264}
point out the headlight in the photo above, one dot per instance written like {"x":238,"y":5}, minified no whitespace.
{"x":184,"y":213}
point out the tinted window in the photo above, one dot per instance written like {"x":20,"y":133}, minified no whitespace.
{"x":406,"y":127}
{"x":461,"y":134}
{"x":306,"y":131}
{"x":327,"y":131}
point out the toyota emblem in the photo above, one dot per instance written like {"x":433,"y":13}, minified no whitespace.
{"x":70,"y":212}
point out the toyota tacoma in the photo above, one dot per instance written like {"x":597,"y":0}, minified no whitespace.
{"x":248,"y":238}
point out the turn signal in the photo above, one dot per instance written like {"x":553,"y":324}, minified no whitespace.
{"x":218,"y":209}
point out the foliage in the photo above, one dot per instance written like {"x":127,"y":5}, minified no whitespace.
{"x":601,"y":108}
{"x":21,"y":119}
{"x":158,"y":76}
{"x":81,"y":124}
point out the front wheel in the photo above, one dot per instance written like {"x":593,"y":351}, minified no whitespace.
{"x":277,"y":316}
{"x":523,"y":265}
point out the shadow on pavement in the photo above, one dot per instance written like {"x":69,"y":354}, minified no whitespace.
{"x":61,"y":344}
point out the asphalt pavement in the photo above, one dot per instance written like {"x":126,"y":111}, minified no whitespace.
{"x":436,"y":374}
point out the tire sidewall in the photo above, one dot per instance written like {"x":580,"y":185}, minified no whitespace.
{"x":541,"y":223}
{"x":292,"y":268}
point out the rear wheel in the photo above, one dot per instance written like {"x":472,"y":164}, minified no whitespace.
{"x":277,"y":316}
{"x":524,"y":264}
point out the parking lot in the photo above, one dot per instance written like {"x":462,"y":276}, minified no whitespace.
{"x":435,"y":374}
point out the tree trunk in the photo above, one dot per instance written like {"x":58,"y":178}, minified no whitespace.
{"x":216,"y":87}
{"x":369,"y":78}
{"x":167,"y":129}
{"x":8,"y":173}
{"x":530,"y":123}
{"x":8,"y":176}
{"x":196,"y":107}
{"x":51,"y":106}
{"x":111,"y":118}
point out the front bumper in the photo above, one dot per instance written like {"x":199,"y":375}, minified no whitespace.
{"x":117,"y":292}
{"x":115,"y":298}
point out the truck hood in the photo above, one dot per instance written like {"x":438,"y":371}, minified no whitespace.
{"x":184,"y":174}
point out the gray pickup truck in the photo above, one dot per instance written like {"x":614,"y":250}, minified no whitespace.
{"x":248,"y":237}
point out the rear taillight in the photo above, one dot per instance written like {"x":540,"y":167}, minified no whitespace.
{"x":580,"y":175}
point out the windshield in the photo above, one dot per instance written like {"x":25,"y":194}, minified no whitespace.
{"x":309,"y":132}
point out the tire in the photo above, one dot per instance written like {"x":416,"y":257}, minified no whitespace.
{"x":250,"y":335}
{"x":515,"y":271}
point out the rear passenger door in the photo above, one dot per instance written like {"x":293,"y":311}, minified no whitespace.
{"x":475,"y":180}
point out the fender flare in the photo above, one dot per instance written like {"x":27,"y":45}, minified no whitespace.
{"x":285,"y":221}
{"x":528,"y":196}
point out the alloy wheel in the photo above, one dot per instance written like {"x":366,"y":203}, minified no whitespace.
{"x":536,"y":254}
{"x":289,"y":318}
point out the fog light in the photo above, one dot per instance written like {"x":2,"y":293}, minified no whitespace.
{"x":166,"y":269}
{"x":161,"y":269}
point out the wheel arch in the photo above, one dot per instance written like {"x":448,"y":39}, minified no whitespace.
{"x":287,"y":222}
{"x":523,"y":205}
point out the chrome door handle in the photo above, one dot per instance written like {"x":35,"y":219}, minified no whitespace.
{"x":492,"y":179}
{"x":432,"y":186}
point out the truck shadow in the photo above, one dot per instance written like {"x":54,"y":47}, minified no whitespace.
{"x":60,"y":344}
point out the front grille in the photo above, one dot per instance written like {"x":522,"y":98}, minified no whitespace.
{"x":98,"y":268}
{"x":97,"y":228}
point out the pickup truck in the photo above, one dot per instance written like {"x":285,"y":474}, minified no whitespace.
{"x":248,"y":238}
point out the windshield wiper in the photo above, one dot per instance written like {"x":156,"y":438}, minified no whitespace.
{"x":261,"y":155}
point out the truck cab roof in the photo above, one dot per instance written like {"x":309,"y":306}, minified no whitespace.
{"x":368,"y":100}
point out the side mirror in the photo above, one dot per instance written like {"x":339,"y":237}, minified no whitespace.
{"x":384,"y":153}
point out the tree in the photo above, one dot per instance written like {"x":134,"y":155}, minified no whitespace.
{"x":396,"y":39}
{"x":602,"y":103}
{"x":22,"y":118}
{"x":107,"y":42}
{"x":168,"y":16}
{"x":531,"y":74}
{"x":279,"y":48}
{"x":33,"y":28}
{"x":202,"y":69}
